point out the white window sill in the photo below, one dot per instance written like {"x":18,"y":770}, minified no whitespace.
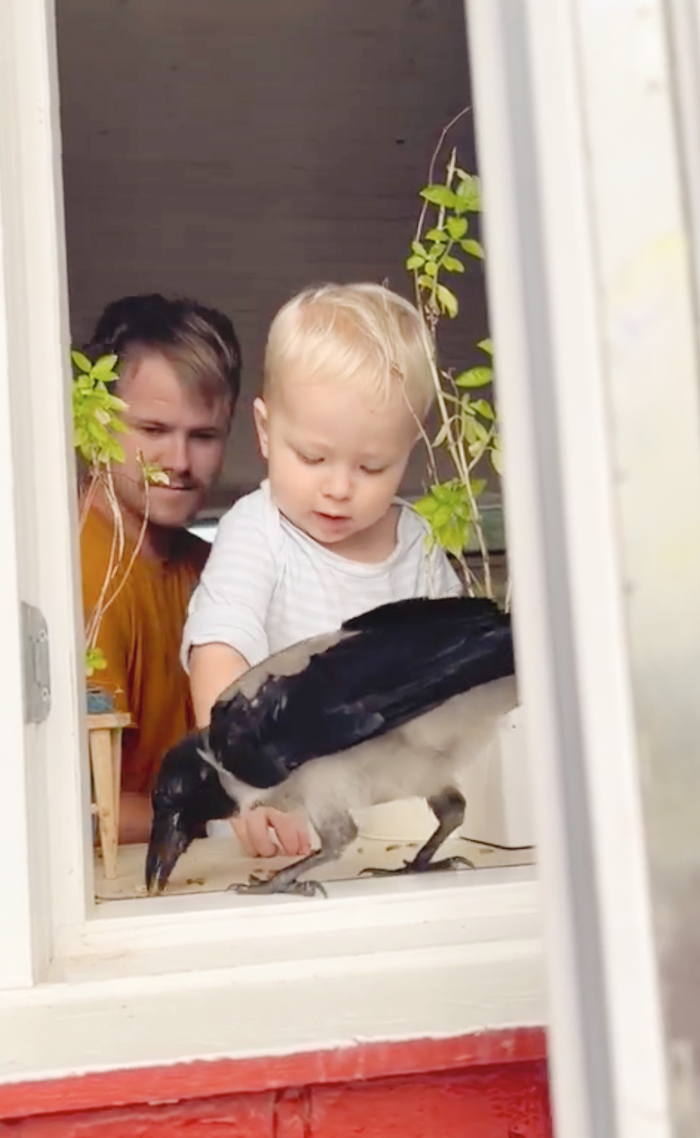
{"x":370,"y":963}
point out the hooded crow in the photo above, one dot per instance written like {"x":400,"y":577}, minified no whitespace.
{"x":392,"y":705}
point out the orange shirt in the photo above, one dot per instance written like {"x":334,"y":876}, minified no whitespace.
{"x":140,"y":636}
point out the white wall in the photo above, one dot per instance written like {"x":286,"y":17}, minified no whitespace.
{"x":236,"y":150}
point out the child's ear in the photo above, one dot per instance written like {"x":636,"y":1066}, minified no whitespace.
{"x":261,"y":424}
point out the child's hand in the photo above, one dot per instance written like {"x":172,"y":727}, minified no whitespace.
{"x":252,"y":830}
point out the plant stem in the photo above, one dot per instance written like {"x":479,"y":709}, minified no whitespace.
{"x":136,"y":551}
{"x":429,"y":313}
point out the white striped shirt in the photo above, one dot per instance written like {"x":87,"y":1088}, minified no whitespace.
{"x":267,"y":584}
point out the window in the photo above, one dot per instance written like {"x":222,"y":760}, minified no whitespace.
{"x":169,"y":978}
{"x":330,"y":972}
{"x":345,"y":208}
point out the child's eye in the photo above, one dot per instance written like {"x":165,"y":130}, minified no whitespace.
{"x":373,"y":469}
{"x":309,"y":459}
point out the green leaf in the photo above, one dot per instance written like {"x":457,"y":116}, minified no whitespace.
{"x":116,"y":403}
{"x":431,"y":268}
{"x":154,"y":474}
{"x":484,"y":408}
{"x":469,"y":193}
{"x":475,"y":377}
{"x":81,"y":361}
{"x":447,"y":300}
{"x":457,"y":227}
{"x":426,"y":506}
{"x":473,"y":248}
{"x":436,"y":250}
{"x":474,"y":431}
{"x":426,"y":282}
{"x":452,"y":265}
{"x":439,"y":195}
{"x":442,"y":435}
{"x":435,"y":235}
{"x":497,"y":459}
{"x":415,"y":262}
{"x":104,"y":368}
{"x":446,"y":509}
{"x":95,"y":660}
{"x":419,"y":249}
{"x":486,"y":346}
{"x":443,"y":516}
{"x":454,"y":536}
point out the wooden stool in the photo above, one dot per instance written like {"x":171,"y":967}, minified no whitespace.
{"x":105,"y":739}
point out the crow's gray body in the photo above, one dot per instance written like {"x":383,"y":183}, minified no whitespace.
{"x":418,"y":759}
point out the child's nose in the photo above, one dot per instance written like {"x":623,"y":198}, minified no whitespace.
{"x":338,"y":483}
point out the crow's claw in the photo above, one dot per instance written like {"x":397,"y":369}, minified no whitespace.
{"x":266,"y":888}
{"x":412,"y":867}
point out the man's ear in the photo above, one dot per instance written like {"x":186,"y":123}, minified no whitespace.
{"x":260,"y":415}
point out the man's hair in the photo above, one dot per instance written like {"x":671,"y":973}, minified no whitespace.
{"x":361,"y":333}
{"x":199,"y":343}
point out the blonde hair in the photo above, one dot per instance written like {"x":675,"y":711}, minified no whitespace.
{"x":350,"y":333}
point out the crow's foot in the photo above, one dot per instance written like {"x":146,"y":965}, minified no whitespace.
{"x":412,"y":867}
{"x":267,"y":888}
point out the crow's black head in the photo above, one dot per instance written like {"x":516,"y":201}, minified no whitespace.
{"x":188,"y":794}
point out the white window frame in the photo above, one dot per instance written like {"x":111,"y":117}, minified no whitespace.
{"x":579,"y":95}
{"x":167,"y":979}
{"x":228,"y":975}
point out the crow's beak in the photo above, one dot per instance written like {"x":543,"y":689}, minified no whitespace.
{"x":168,"y":841}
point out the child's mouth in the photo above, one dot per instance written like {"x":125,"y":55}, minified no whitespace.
{"x":332,"y":519}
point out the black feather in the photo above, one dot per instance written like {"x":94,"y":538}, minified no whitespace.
{"x":396,"y":662}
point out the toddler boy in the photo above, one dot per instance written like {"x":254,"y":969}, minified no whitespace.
{"x":347,"y":384}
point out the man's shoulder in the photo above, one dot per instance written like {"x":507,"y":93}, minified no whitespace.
{"x":192,"y":551}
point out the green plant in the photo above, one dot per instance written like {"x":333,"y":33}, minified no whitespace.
{"x":469,"y":431}
{"x":96,"y":424}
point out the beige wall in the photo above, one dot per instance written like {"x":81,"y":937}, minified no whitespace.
{"x":235,"y":150}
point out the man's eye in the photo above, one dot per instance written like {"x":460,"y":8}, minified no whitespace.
{"x":152,"y":429}
{"x":206,"y":436}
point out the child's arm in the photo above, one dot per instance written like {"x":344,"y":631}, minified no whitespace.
{"x":232,"y":601}
{"x":212,"y":668}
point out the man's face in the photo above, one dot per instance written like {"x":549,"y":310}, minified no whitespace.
{"x":173,"y":428}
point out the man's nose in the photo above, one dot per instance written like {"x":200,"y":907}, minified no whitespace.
{"x":176,"y":453}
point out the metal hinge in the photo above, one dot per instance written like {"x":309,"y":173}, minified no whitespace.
{"x":37,"y":675}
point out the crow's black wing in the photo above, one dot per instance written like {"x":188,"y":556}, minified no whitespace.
{"x":396,"y":662}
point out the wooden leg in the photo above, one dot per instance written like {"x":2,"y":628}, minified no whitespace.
{"x":117,"y":774}
{"x":106,"y":784}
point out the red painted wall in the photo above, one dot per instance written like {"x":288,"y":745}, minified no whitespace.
{"x":488,"y":1086}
